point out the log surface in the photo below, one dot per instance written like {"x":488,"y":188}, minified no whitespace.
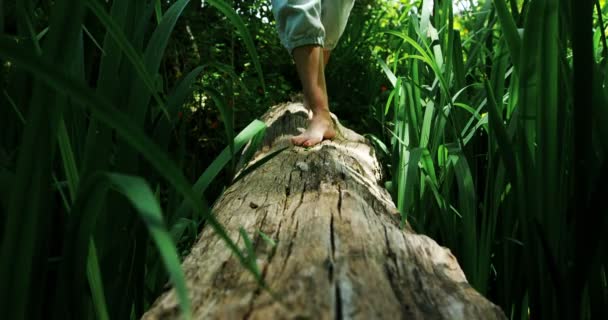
{"x":339,"y":250}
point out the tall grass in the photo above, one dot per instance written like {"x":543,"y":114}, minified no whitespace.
{"x":89,"y":179}
{"x":492,"y":130}
{"x":499,"y":148}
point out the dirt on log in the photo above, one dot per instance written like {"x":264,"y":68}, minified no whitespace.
{"x":339,"y":252}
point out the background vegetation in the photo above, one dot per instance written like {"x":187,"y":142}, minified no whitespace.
{"x":120,"y":120}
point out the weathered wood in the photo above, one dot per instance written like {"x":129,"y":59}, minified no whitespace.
{"x":340,"y":252}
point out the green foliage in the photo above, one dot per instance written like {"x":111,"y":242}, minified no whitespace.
{"x":106,"y":109}
{"x":487,"y":137}
{"x":489,"y":120}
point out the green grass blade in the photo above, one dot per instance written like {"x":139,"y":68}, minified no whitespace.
{"x":498,"y":130}
{"x":139,"y":194}
{"x":222,"y":159}
{"x":549,"y":128}
{"x":96,"y":283}
{"x":158,"y":10}
{"x":510,"y":32}
{"x":109,"y":115}
{"x":79,"y":246}
{"x":98,"y":140}
{"x":14,"y":106}
{"x":266,"y":238}
{"x":389,"y":73}
{"x":153,"y":55}
{"x":160,"y":37}
{"x":109,"y":64}
{"x":379,"y":144}
{"x":175,"y":101}
{"x":411,"y":178}
{"x":180,"y":227}
{"x":413,"y":115}
{"x":182,"y":92}
{"x":426,"y":57}
{"x":416,"y":92}
{"x":76,"y":244}
{"x":251,"y":148}
{"x":474,"y":113}
{"x":220,"y":162}
{"x":93,"y":271}
{"x":127,"y":48}
{"x":458,"y":61}
{"x":228,"y":70}
{"x":27,"y":221}
{"x":425,"y":133}
{"x":67,"y":157}
{"x":24,"y":17}
{"x":238,"y":23}
{"x":437,"y":54}
{"x":467,"y":205}
{"x":428,"y":166}
{"x":389,"y":102}
{"x":86,"y":31}
{"x":425,"y":18}
{"x":227,"y":117}
{"x":59,"y":186}
{"x":250,"y":251}
{"x":258,"y":163}
{"x":42,"y":33}
{"x":482,"y":122}
{"x":499,"y":72}
{"x":100,"y":107}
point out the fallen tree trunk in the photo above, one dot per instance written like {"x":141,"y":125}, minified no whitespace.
{"x":339,"y":250}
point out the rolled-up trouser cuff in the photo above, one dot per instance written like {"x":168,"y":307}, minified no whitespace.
{"x":290,"y":45}
{"x":311,"y":22}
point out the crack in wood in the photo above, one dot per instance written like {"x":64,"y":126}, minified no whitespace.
{"x":355,"y":271}
{"x":391,"y":256}
{"x":272,"y":254}
{"x":288,"y":187}
{"x":290,"y":247}
{"x":332,"y":234}
{"x":338,"y":306}
{"x":293,"y":214}
{"x":338,"y":296}
{"x":340,"y":200}
{"x":257,"y":237}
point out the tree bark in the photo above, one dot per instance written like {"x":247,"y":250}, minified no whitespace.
{"x":339,"y":253}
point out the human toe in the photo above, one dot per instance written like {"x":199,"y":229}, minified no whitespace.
{"x":299,"y":140}
{"x":311,"y":142}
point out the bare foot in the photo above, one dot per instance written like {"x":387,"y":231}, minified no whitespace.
{"x":320,"y":127}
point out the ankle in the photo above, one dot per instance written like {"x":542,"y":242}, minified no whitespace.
{"x":319,"y":106}
{"x":321,"y":114}
{"x":320,"y":111}
{"x":316,"y":101}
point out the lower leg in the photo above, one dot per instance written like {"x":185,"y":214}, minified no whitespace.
{"x":310,"y":72}
{"x":312,"y":75}
{"x":326,"y":54}
{"x":310,"y":64}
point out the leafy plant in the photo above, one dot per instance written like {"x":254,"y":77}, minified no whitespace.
{"x":486,"y":133}
{"x":100,"y":112}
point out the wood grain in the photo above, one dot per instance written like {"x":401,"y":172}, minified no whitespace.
{"x":339,"y":253}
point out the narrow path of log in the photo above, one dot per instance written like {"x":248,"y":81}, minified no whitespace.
{"x":340,"y":253}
